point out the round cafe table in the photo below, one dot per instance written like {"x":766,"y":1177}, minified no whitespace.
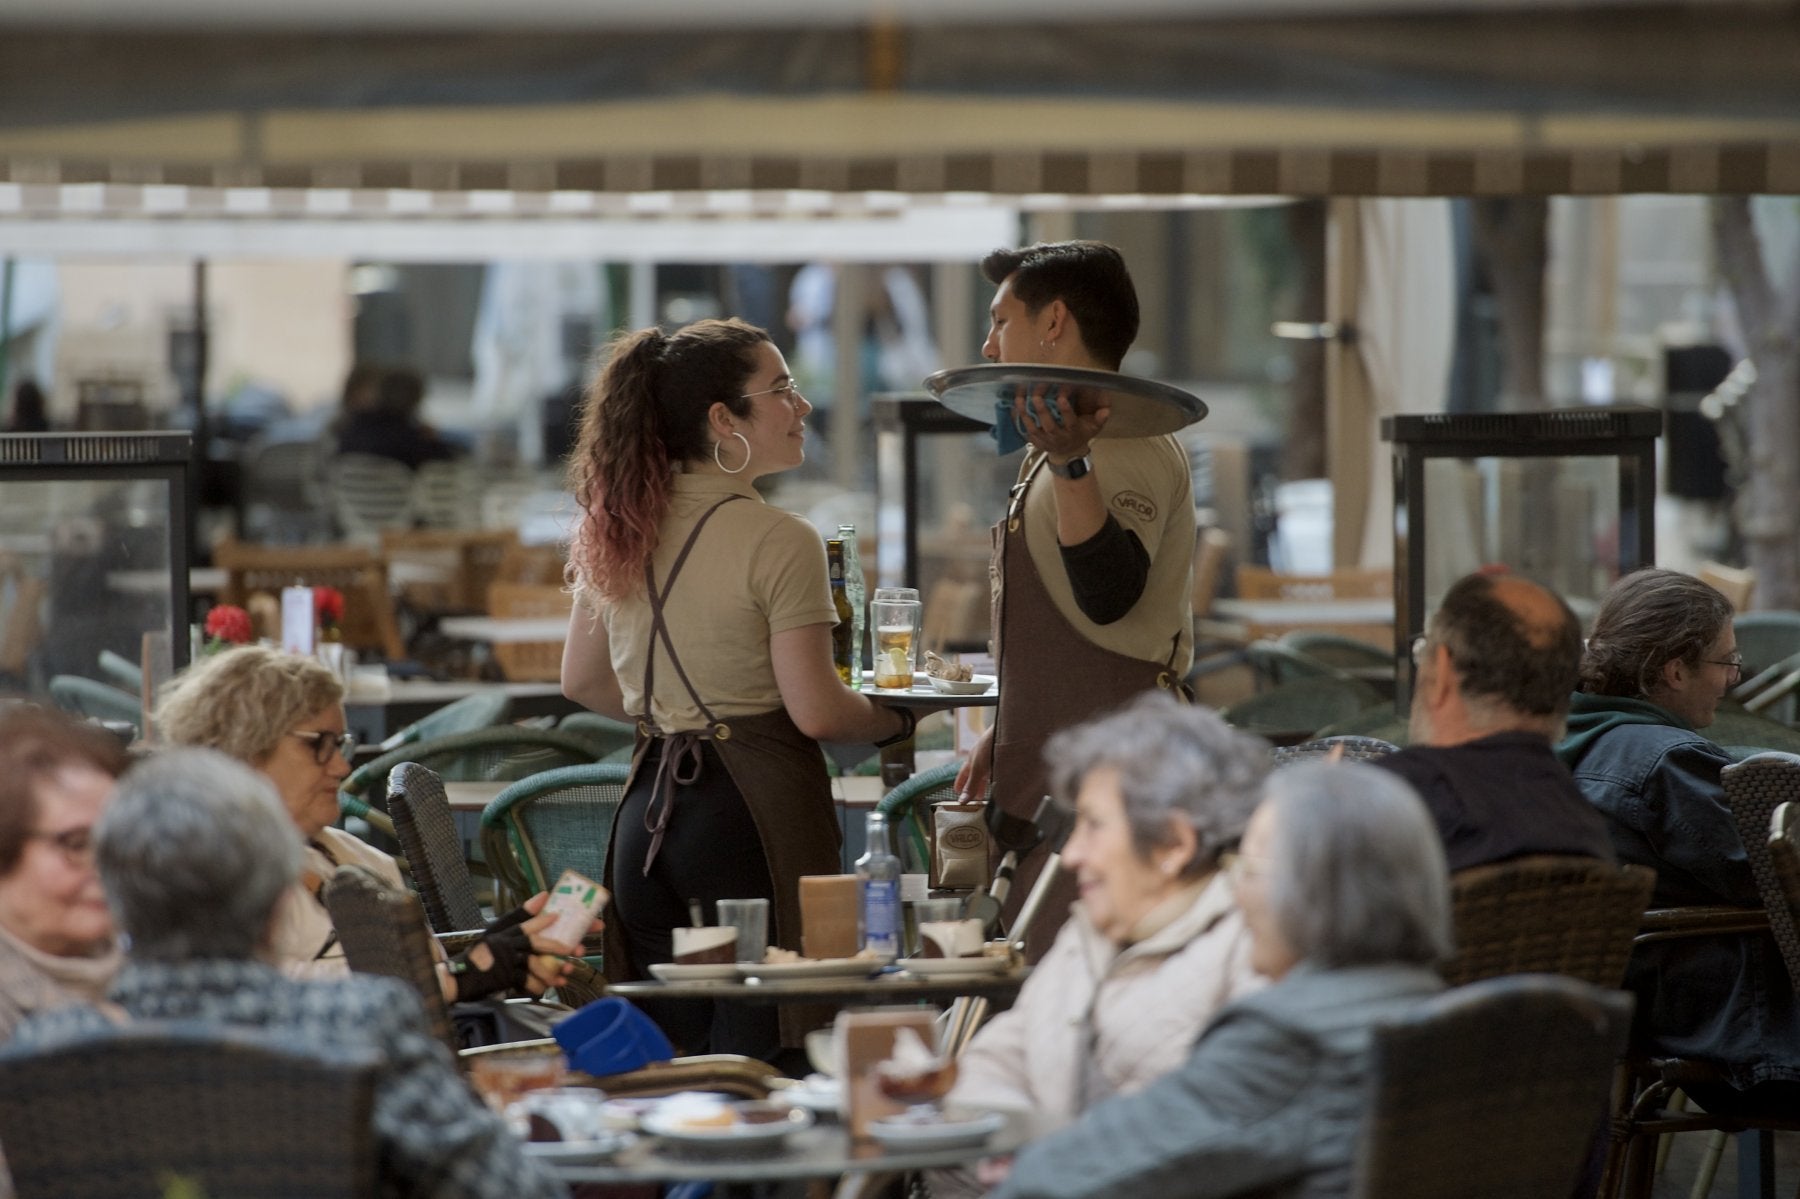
{"x":823,"y":1151}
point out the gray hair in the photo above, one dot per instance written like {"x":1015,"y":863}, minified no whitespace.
{"x":1358,"y":874}
{"x":195,"y":851}
{"x":1174,"y":761}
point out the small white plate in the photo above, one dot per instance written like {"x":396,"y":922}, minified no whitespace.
{"x":951,"y":1131}
{"x":578,"y":1153}
{"x":701,"y":972}
{"x":962,"y":967}
{"x":670,"y":1127}
{"x":822,"y":968}
{"x":824,"y":1096}
{"x":976,"y":686}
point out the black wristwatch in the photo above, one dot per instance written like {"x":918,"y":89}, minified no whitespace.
{"x":1074,"y":468}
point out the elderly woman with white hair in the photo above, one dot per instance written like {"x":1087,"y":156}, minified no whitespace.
{"x":1342,"y":885}
{"x":1154,"y":946}
{"x":197,"y":856}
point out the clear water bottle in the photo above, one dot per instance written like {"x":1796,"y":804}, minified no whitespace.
{"x":856,"y":590}
{"x":878,"y":879}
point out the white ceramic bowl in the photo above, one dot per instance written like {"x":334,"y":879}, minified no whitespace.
{"x":975,"y":686}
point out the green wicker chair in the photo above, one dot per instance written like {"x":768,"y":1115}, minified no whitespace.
{"x":136,"y":1110}
{"x":1335,"y":649}
{"x":485,"y":755}
{"x":483,"y":710}
{"x":606,"y":735}
{"x":1298,"y":710}
{"x":1382,"y":723}
{"x":909,"y":803}
{"x":1349,"y":749}
{"x":128,"y":675}
{"x":1276,"y":663}
{"x":555,"y":821}
{"x":86,"y":697}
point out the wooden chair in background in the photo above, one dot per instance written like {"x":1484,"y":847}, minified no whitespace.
{"x":529,"y":661}
{"x":1261,"y":583}
{"x":471,"y":560}
{"x":369,"y":624}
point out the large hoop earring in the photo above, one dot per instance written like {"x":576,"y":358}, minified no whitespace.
{"x":720,"y":462}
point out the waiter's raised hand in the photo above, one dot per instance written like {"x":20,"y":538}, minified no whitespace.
{"x":1049,"y":420}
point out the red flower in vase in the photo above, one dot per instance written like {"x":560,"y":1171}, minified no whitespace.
{"x":328,"y":606}
{"x":228,"y":624}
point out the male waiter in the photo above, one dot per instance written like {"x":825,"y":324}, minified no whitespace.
{"x":1093,"y":562}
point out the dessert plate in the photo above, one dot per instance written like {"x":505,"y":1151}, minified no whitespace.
{"x":947,"y":1132}
{"x":822,"y":968}
{"x":695,"y":972}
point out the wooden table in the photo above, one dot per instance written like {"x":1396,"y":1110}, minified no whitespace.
{"x":823,"y":1151}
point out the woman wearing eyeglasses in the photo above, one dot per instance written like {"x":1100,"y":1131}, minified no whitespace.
{"x":56,"y":934}
{"x":1661,"y":656}
{"x":283,"y":714}
{"x":704,"y":616}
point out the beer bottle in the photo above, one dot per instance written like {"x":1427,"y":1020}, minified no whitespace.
{"x":843,"y":655}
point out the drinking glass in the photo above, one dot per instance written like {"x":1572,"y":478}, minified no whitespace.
{"x":751,"y":917}
{"x":897,"y":623}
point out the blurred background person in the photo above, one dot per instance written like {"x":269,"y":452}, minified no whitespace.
{"x":391,"y":426}
{"x":1342,"y":885}
{"x":30,"y":409}
{"x":197,"y":859}
{"x":1155,"y":945}
{"x":56,"y":935}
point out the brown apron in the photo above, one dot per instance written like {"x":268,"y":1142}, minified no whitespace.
{"x":779,"y":771}
{"x":1056,"y":678}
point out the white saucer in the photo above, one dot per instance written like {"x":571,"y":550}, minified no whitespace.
{"x":977,"y":685}
{"x":822,"y":968}
{"x":700,"y":972}
{"x":956,"y":967}
{"x":578,"y":1153}
{"x":824,"y":1096}
{"x":670,"y":1128}
{"x":938,"y":1134}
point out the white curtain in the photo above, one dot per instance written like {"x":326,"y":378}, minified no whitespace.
{"x":1406,"y":329}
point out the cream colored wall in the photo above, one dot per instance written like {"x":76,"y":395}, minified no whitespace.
{"x":283,"y":324}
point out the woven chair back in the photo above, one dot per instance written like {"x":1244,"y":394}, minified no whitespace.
{"x":908,"y":809}
{"x":383,"y":932}
{"x":606,"y":735}
{"x":560,"y":820}
{"x":1491,"y":1091}
{"x":370,"y":493}
{"x":1349,"y":749}
{"x":501,"y":754}
{"x":1784,"y":853}
{"x":1547,"y":915}
{"x":1754,"y":788}
{"x":117,"y":1114}
{"x":1304,"y":706}
{"x":529,"y":661}
{"x":88,"y":697}
{"x":433,"y":848}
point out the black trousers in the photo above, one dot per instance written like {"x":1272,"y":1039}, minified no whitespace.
{"x":710,"y":851}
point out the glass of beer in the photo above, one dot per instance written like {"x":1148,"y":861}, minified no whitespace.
{"x":896,"y":614}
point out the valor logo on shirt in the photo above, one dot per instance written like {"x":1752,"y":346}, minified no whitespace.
{"x":1134,"y":505}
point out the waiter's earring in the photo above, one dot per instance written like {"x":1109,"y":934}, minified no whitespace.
{"x":720,"y":463}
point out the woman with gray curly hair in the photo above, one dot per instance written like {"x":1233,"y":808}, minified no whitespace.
{"x":283,"y":715}
{"x":1154,"y":946}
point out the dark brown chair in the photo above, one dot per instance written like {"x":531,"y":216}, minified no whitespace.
{"x":433,"y":849}
{"x":383,"y":932}
{"x":1547,"y":914}
{"x":1490,"y":1091}
{"x":361,"y":575}
{"x":119,"y":1114}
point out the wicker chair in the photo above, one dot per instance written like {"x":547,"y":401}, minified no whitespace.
{"x":1547,"y":914}
{"x":910,"y":802}
{"x":483,"y":710}
{"x":383,"y":932}
{"x":1337,"y":650}
{"x":1299,"y":709}
{"x":1491,"y":1091}
{"x":86,"y":697}
{"x":118,"y":1114}
{"x":484,"y":755}
{"x":434,"y":853}
{"x":125,"y":674}
{"x":529,"y":661}
{"x":369,"y":623}
{"x":1350,"y":749}
{"x":370,"y":493}
{"x":554,"y":821}
{"x":606,"y":735}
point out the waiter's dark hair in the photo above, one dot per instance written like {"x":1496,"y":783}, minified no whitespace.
{"x":1089,"y":277}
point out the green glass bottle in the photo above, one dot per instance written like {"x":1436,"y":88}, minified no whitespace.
{"x":843,"y":654}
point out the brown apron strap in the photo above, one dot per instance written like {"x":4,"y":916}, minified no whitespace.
{"x":680,"y":763}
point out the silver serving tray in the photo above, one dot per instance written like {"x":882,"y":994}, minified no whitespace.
{"x":1140,"y":407}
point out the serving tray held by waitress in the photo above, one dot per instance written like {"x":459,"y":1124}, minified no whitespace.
{"x":1140,"y":407}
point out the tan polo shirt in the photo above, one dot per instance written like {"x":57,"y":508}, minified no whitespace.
{"x":1147,"y":485}
{"x":756,"y":571}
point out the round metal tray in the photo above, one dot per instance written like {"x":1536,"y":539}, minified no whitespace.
{"x":1140,"y":407}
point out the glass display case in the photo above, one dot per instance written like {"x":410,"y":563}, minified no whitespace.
{"x":93,"y":555}
{"x":1566,"y":497}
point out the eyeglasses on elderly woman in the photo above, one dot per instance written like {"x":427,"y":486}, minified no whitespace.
{"x":325,"y":744}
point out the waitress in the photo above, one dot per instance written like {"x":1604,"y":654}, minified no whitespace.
{"x":705,"y":616}
{"x":1093,"y":563}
